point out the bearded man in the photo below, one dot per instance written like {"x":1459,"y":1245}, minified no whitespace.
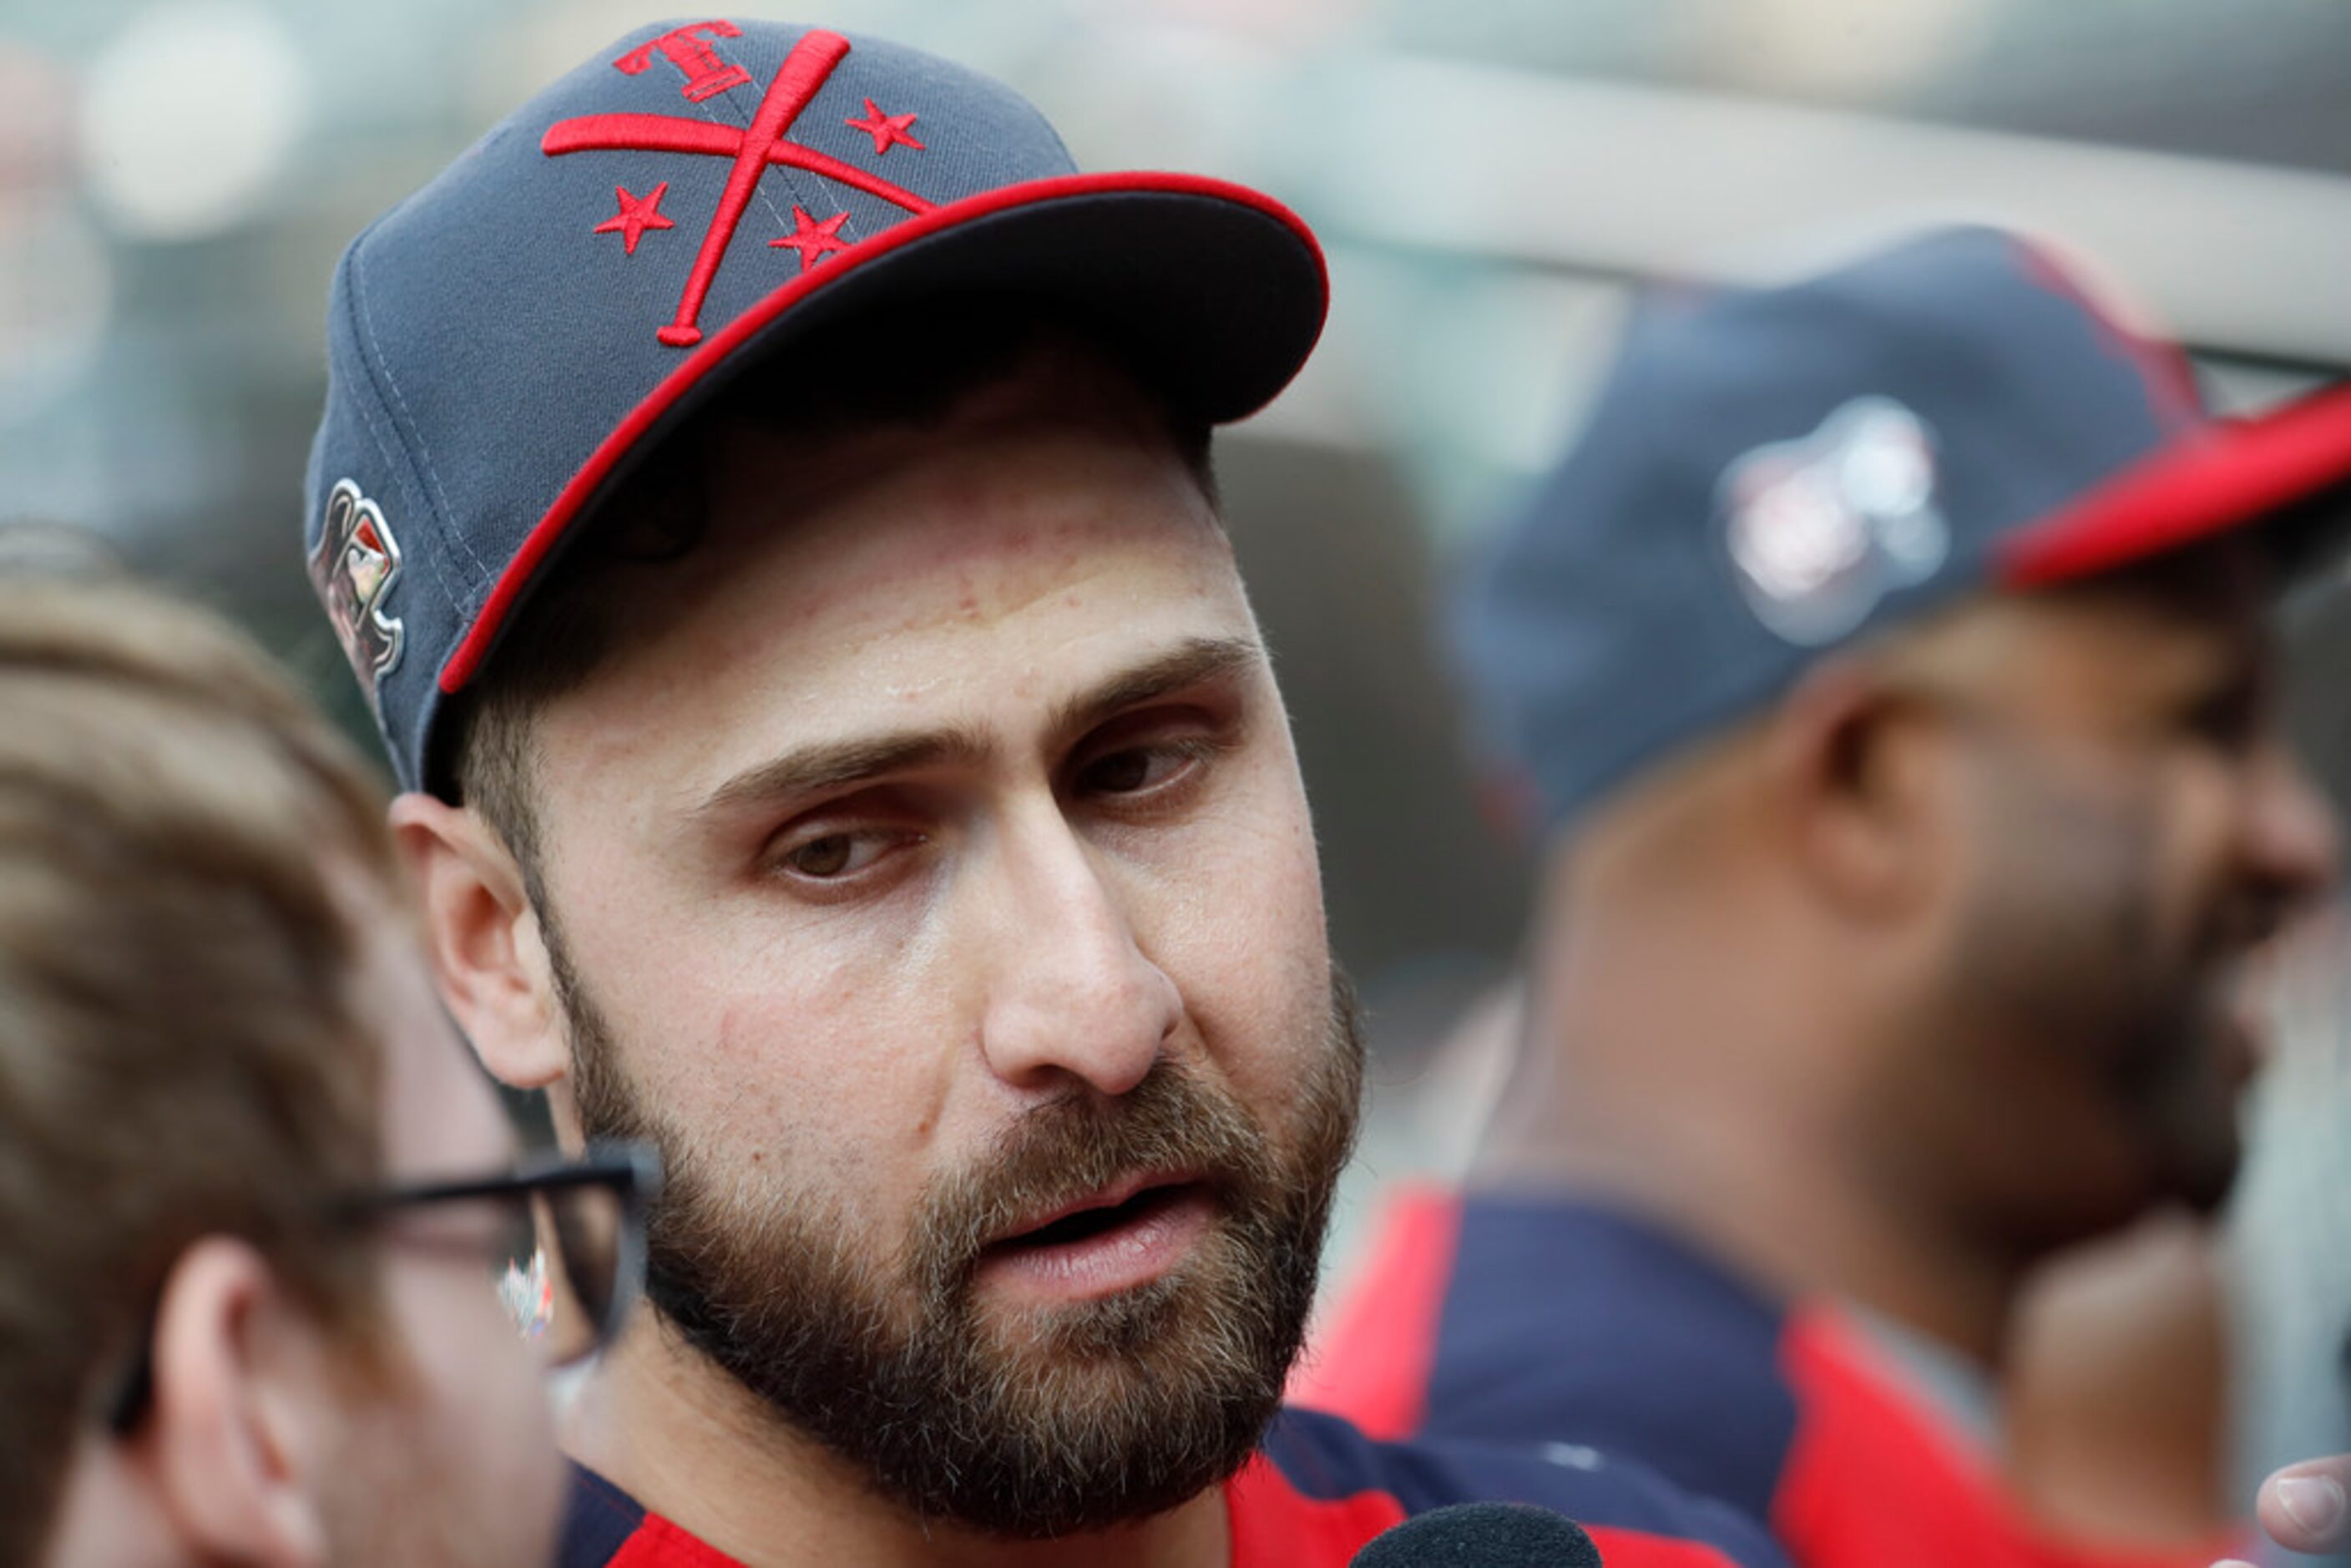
{"x":840,"y":751}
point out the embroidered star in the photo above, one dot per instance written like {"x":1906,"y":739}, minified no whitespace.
{"x":813,"y":240}
{"x":636,"y":217}
{"x":888,"y":130}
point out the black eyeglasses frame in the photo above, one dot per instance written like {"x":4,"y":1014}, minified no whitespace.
{"x":632,"y":1172}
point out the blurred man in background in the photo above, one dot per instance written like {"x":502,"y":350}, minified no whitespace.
{"x":839,"y":751}
{"x":1889,"y":657}
{"x":231,"y":1329}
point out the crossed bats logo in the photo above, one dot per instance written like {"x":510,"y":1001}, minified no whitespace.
{"x":805,"y":70}
{"x":354,"y":566}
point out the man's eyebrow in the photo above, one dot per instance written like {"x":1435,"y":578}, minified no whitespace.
{"x":1189,"y":664}
{"x":820,"y":768}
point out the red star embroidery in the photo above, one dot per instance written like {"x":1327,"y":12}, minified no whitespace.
{"x":750,"y":149}
{"x":813,"y":240}
{"x":636,"y":216}
{"x":888,"y":130}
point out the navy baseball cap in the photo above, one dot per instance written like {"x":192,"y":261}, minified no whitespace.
{"x":502,"y":345}
{"x":1770,"y":474}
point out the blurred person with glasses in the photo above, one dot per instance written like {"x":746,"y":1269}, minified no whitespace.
{"x":273,"y":1288}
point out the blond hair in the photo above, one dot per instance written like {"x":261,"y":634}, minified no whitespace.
{"x":180,"y":1053}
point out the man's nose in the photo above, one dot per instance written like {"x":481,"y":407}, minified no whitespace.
{"x":1070,"y":992}
{"x":2293,"y":835}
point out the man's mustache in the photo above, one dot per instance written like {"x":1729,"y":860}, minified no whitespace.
{"x":1073,"y":1148}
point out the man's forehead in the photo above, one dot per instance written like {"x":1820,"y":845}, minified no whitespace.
{"x":754,"y":473}
{"x":2191,"y":614}
{"x":826,"y":518}
{"x":2194,"y":614}
{"x":982,"y":593}
{"x":2227,"y":581}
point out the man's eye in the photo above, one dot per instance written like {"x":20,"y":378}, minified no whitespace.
{"x":1142,"y":769}
{"x":836,"y":854}
{"x":2232,"y":720}
{"x":1121,"y":773}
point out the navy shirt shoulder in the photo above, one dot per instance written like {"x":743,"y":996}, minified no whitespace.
{"x":1635,"y":1513}
{"x":1568,"y":1323}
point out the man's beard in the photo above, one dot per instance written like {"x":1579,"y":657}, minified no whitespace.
{"x":2065,"y":954}
{"x":1087,"y":1415}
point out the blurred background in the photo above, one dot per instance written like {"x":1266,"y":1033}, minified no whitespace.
{"x":178,"y":176}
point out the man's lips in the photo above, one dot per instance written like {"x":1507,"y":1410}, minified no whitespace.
{"x":1126,"y":1189}
{"x":1113,"y":1238}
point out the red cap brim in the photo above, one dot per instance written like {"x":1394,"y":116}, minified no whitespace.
{"x":2227,"y":474}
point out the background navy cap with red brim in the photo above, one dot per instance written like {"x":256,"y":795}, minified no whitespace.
{"x":1769,"y":475}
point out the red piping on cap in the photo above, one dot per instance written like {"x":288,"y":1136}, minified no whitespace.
{"x":2162,"y":367}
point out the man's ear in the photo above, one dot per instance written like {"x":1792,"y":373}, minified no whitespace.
{"x":237,"y":1441}
{"x":1851,"y":779}
{"x":483,"y":937}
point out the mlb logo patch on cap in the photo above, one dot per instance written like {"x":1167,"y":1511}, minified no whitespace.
{"x":1820,"y":528}
{"x":352,"y":567}
{"x":692,"y":200}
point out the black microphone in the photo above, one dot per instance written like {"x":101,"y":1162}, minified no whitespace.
{"x":1482,"y":1535}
